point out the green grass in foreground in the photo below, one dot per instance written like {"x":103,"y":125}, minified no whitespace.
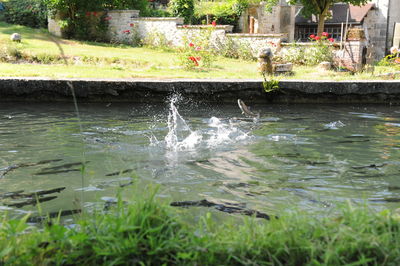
{"x":99,"y":60}
{"x":148,"y":232}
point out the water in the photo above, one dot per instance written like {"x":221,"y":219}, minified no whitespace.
{"x":294,"y":157}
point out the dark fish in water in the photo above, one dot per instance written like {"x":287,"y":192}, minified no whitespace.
{"x":8,"y":169}
{"x":38,"y":219}
{"x":14,"y":194}
{"x":120,"y":172}
{"x":221,"y":207}
{"x":30,"y":202}
{"x":353,"y":141}
{"x":43,"y":192}
{"x":386,"y":200}
{"x":63,"y":166}
{"x":246,"y":110}
{"x":21,"y":194}
{"x":58,"y":172}
{"x":376,"y":166}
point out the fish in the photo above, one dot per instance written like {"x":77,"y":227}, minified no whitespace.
{"x":31,"y":202}
{"x":228,"y":208}
{"x":246,"y":110}
{"x":64,"y":166}
{"x":38,"y":219}
{"x":57,"y":172}
{"x":120,"y":172}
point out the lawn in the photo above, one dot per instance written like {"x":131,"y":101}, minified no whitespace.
{"x":99,"y":60}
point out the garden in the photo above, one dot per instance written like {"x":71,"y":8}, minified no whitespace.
{"x":152,"y":57}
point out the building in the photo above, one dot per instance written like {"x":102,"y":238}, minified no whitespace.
{"x":377,"y":18}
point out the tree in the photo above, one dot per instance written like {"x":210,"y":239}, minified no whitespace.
{"x":318,"y":7}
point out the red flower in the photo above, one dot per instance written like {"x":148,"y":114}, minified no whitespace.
{"x":107,"y":18}
{"x":95,"y":14}
{"x":325,"y":34}
{"x":317,"y":38}
{"x":331,"y":39}
{"x":132,"y":25}
{"x":198,"y":58}
{"x":194,"y":60}
{"x":185,"y":26}
{"x":312,"y":36}
{"x":126,"y":31}
{"x":198,"y":48}
{"x":88,"y":14}
{"x":214,"y":23}
{"x":191,"y":44}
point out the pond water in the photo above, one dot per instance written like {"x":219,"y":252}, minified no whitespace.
{"x":307,"y":157}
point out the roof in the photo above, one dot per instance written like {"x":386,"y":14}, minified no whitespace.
{"x":339,"y":14}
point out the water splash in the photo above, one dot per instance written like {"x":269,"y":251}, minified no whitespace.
{"x":181,"y":137}
{"x":335,"y":125}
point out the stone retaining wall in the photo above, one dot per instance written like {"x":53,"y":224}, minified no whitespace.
{"x":211,"y":91}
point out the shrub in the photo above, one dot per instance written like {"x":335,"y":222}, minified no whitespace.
{"x":225,"y":12}
{"x":158,"y":40}
{"x":31,"y":13}
{"x":320,"y":51}
{"x":182,"y":8}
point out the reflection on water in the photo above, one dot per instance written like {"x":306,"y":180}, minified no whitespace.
{"x":303,"y":157}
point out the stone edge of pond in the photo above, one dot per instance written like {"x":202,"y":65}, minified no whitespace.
{"x":206,"y":90}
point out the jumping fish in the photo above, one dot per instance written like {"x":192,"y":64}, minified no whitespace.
{"x":246,"y":110}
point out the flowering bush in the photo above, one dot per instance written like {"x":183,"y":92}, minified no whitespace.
{"x":131,"y":35}
{"x":198,"y":50}
{"x":320,"y":51}
{"x":193,"y":56}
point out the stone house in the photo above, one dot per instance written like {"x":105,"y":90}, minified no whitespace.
{"x":377,"y":18}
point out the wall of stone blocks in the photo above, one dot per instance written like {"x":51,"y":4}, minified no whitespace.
{"x":380,"y":25}
{"x":351,"y":56}
{"x":280,"y":20}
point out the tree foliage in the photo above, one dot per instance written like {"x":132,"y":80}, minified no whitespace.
{"x":317,"y":7}
{"x":182,"y":8}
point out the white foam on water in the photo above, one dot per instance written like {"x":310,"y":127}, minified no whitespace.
{"x":180,"y":137}
{"x":335,"y":125}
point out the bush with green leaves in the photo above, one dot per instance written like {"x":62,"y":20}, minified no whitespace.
{"x":319,"y":51}
{"x":197,"y":51}
{"x":183,"y":9}
{"x":157,"y":40}
{"x":225,"y":12}
{"x":31,"y":13}
{"x":86,"y":19}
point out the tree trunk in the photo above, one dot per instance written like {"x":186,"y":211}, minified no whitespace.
{"x":321,"y":21}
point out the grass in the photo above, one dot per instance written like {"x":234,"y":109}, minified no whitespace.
{"x":147,"y":232}
{"x":99,"y":60}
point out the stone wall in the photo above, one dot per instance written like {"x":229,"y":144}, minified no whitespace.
{"x":120,"y":25}
{"x":375,"y":24}
{"x":380,"y":25}
{"x":257,"y":20}
{"x":255,"y":42}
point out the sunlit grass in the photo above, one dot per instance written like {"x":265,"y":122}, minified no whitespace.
{"x":96,"y":60}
